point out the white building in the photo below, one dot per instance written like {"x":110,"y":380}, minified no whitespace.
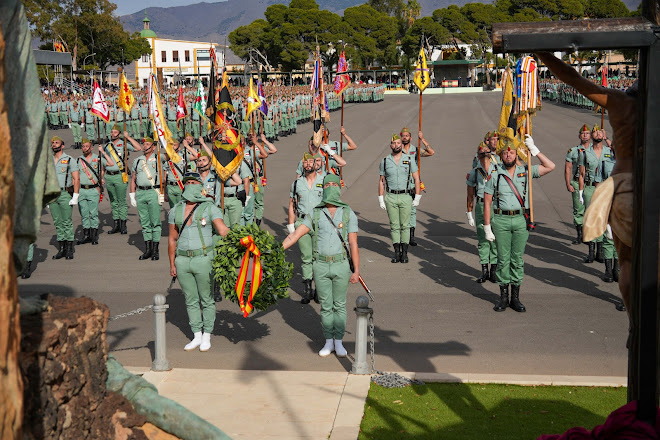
{"x":170,"y":57}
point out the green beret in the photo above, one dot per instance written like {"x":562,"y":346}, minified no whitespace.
{"x":331,"y":178}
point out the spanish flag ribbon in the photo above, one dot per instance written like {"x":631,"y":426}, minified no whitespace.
{"x":252,"y":249}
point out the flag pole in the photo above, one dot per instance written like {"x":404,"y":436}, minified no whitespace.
{"x":419,"y":139}
{"x":341,"y":141}
{"x":528,"y":130}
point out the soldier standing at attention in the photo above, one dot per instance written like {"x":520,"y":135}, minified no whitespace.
{"x":148,"y":199}
{"x":175,"y":174}
{"x":66,"y":169}
{"x":259,"y":196}
{"x":477,"y":179}
{"x":574,"y":158}
{"x":334,"y":229}
{"x":396,"y":195}
{"x":411,"y":150}
{"x":75,"y":118}
{"x":506,"y":195}
{"x":190,"y":251}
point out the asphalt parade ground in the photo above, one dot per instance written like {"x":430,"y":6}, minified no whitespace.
{"x":430,"y":315}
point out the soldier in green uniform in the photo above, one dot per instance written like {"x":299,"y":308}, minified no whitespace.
{"x":27,"y":271}
{"x":574,"y":157}
{"x":145,"y":122}
{"x":329,"y":150}
{"x":90,"y":124}
{"x":590,"y":176}
{"x":608,"y":160}
{"x":175,"y":172}
{"x":306,"y":193}
{"x":75,"y":118}
{"x":190,"y":251}
{"x":171,"y":117}
{"x":91,"y":179}
{"x":53,"y":113}
{"x":259,"y":196}
{"x":395,"y":171}
{"x":109,"y":126}
{"x":145,"y":180}
{"x":66,"y":169}
{"x":334,"y":228}
{"x":509,"y":227}
{"x":476,"y":181}
{"x":114,"y":177}
{"x":64,"y":112}
{"x":254,"y":185}
{"x":134,"y":121}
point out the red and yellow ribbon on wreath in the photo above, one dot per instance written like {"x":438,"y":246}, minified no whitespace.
{"x":252,"y":249}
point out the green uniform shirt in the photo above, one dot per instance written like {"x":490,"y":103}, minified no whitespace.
{"x":119,"y":148}
{"x":574,"y":156}
{"x":94,"y":163}
{"x":144,"y":110}
{"x":505,"y":198}
{"x":75,"y":115}
{"x":306,"y":198}
{"x":211,"y":183}
{"x":143,"y":167}
{"x":608,"y":162}
{"x":592,"y":163}
{"x":63,"y":169}
{"x":478,"y":177}
{"x":397,"y":175}
{"x":327,"y":239}
{"x":200,"y":227}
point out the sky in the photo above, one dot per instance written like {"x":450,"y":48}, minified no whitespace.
{"x":125,"y":7}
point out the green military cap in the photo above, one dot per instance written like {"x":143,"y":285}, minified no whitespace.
{"x":585,"y":127}
{"x":56,"y":138}
{"x":395,"y":137}
{"x":596,"y":128}
{"x":86,"y":141}
{"x":203,"y":152}
{"x":147,"y":139}
{"x":307,"y":156}
{"x":317,"y":156}
{"x":404,"y":130}
{"x":116,"y":127}
{"x":188,"y":134}
{"x":192,"y":176}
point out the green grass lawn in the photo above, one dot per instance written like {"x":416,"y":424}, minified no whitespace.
{"x":489,"y":412}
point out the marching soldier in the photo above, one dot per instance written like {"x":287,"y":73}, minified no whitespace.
{"x":66,"y":169}
{"x":506,"y":195}
{"x":395,"y":171}
{"x":190,"y":251}
{"x":477,"y":179}
{"x":490,"y":139}
{"x":335,"y":161}
{"x":90,"y":124}
{"x":134,"y":121}
{"x":114,"y":176}
{"x":259,"y":196}
{"x":334,"y":227}
{"x":411,"y":150}
{"x":254,"y":185}
{"x":608,"y":160}
{"x":63,"y":112}
{"x":145,"y":124}
{"x":306,"y":193}
{"x":574,"y":158}
{"x":75,"y":118}
{"x":145,"y":181}
{"x":590,"y":176}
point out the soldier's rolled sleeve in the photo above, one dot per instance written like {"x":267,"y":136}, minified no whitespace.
{"x":471,"y":179}
{"x":352,"y":222}
{"x":413,"y":165}
{"x":381,"y":170}
{"x":171,"y":216}
{"x":291,"y":191}
{"x":308,"y":222}
{"x":216,"y":213}
{"x":490,"y":185}
{"x":535,"y":172}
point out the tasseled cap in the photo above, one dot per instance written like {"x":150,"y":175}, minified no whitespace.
{"x":395,"y":137}
{"x":585,"y":127}
{"x":596,"y":128}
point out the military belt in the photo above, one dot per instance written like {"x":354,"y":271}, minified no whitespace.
{"x":480,"y":199}
{"x":193,"y":253}
{"x":147,"y":187}
{"x":67,"y":189}
{"x":331,"y":258}
{"x":403,"y":191}
{"x":112,"y":173}
{"x":590,"y":184}
{"x":96,"y":185}
{"x":230,"y":195}
{"x":503,"y":212}
{"x":173,"y":183}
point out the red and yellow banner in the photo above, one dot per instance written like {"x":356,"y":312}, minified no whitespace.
{"x":255,"y":282}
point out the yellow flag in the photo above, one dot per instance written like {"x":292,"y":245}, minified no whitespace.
{"x":507,"y":99}
{"x":422,"y":77}
{"x":161,"y":131}
{"x":254,"y":102}
{"x":126,"y":98}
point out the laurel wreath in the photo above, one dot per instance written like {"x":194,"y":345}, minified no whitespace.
{"x":276,"y":270}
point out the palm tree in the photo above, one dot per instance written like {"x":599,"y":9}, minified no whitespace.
{"x":413,"y":10}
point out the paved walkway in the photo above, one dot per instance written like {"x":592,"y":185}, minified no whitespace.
{"x":292,"y":405}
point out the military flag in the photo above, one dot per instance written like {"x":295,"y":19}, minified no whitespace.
{"x":212,"y":97}
{"x":200,"y":100}
{"x":99,"y":107}
{"x":342,"y":80}
{"x":126,"y":98}
{"x":253,"y":99}
{"x":158,"y":118}
{"x":316,"y":87}
{"x":422,"y":77}
{"x":264,"y":105}
{"x":181,"y":110}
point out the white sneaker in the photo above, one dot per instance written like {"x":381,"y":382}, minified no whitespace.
{"x":206,"y":342}
{"x":339,"y":349}
{"x":328,"y":348}
{"x":196,"y":342}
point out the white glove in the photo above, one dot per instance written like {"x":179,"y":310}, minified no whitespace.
{"x":608,"y":232}
{"x":489,"y":233}
{"x":133,"y":201}
{"x":416,"y":200}
{"x":247,"y":199}
{"x":381,"y":202}
{"x":529,"y":143}
{"x":161,"y":198}
{"x":74,"y":199}
{"x":581,"y":197}
{"x":82,"y":125}
{"x":69,"y":125}
{"x":327,"y":149}
{"x":470,"y":218}
{"x":290,"y":227}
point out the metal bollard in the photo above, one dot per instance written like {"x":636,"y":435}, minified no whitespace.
{"x":362,"y":311}
{"x":160,"y":362}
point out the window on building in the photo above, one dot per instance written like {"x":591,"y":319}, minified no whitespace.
{"x":145,"y":58}
{"x":163,"y":56}
{"x":175,"y":56}
{"x":145,"y":82}
{"x":187,"y":56}
{"x":203,"y":55}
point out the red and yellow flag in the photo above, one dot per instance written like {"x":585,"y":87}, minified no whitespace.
{"x":255,"y":282}
{"x":126,"y":98}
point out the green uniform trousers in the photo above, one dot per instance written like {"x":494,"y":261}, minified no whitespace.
{"x":173,"y":194}
{"x":609,"y":251}
{"x":487,"y":250}
{"x":90,"y":129}
{"x":259,"y":204}
{"x":398,"y":208}
{"x":54,"y":119}
{"x":64,"y":118}
{"x":268,"y":129}
{"x":172,"y":126}
{"x":194,"y":274}
{"x":331,"y":280}
{"x":248,"y":209}
{"x":578,"y":207}
{"x":306,"y":254}
{"x":134,"y":129}
{"x":233,"y":211}
{"x":117,"y":194}
{"x":511,"y":238}
{"x":61,"y":212}
{"x":195,"y":129}
{"x":108,"y":127}
{"x":413,"y":216}
{"x":30,"y":255}
{"x":146,"y":128}
{"x":77,"y":132}
{"x":88,"y":205}
{"x":149,"y":213}
{"x":586,"y":195}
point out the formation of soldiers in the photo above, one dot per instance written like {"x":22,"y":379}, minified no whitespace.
{"x":555,"y":90}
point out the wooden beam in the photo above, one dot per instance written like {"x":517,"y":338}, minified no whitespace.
{"x":572,"y":35}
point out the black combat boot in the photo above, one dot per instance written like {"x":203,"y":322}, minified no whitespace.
{"x":155,"y":255}
{"x":592,"y":249}
{"x":599,"y":252}
{"x":620,"y":306}
{"x":484,"y":274}
{"x":258,"y":221}
{"x":26,"y":272}
{"x":86,"y":238}
{"x":404,"y":253}
{"x":307,"y":292}
{"x":578,"y":239}
{"x":503,"y":303}
{"x":397,"y":253}
{"x":217,"y":294}
{"x":148,"y":252}
{"x":412,"y":237}
{"x":69,"y":250}
{"x":95,"y":235}
{"x":493,"y":273}
{"x":515,"y":303}
{"x":61,"y":252}
{"x":122,"y":223}
{"x":608,"y":278}
{"x":115,"y":227}
{"x":615,"y":270}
